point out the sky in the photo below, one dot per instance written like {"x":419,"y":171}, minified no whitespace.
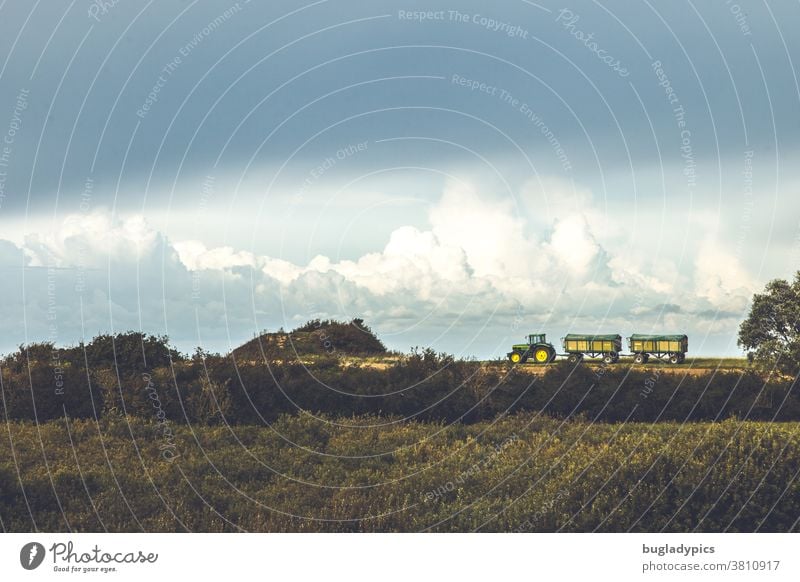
{"x":456,"y":174}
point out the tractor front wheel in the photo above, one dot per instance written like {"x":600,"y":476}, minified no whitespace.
{"x":515,"y":357}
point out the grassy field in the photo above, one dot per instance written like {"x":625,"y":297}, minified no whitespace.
{"x":385,"y":361}
{"x":346,"y":436}
{"x":696,"y":363}
{"x":368,"y":473}
{"x":713,"y":363}
{"x":691,"y":367}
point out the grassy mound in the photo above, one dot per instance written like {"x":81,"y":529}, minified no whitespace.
{"x":317,"y":337}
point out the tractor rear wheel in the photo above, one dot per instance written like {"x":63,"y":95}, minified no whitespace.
{"x":541,"y":355}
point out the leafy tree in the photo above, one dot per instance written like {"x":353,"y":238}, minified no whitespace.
{"x":772,"y":329}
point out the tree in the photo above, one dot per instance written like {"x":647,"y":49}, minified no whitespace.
{"x":771,"y":331}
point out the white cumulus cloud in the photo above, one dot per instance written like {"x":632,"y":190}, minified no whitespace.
{"x":481,"y":259}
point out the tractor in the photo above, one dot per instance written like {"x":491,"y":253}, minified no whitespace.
{"x":537,"y":347}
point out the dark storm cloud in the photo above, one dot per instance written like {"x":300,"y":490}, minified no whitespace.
{"x":130,"y":97}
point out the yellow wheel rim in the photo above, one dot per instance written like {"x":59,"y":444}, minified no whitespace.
{"x":541,"y":355}
{"x":515,"y":358}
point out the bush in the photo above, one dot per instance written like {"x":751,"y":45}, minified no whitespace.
{"x":424,"y":385}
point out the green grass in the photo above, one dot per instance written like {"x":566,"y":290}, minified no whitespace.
{"x":690,"y":362}
{"x":698,"y":363}
{"x":374,"y":474}
{"x":711,"y":363}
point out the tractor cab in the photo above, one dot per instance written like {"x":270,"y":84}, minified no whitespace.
{"x":536,"y":347}
{"x":537,"y":338}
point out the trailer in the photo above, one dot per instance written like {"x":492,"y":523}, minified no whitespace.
{"x":664,"y":347}
{"x":606,"y":346}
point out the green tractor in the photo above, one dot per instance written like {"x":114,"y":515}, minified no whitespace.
{"x":537,"y":348}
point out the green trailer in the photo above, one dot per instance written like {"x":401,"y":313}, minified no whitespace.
{"x":606,"y":346}
{"x":664,"y":347}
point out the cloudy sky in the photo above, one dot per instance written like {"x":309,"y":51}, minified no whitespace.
{"x":457,"y":174}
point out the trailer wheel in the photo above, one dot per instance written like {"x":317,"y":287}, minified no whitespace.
{"x":639,"y":358}
{"x":674,"y":359}
{"x":608,"y":358}
{"x":574,"y":358}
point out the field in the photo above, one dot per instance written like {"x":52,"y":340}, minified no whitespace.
{"x":703,"y":363}
{"x":715,"y":363}
{"x":691,"y":367}
{"x":322,"y":429}
{"x":519,"y":473}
